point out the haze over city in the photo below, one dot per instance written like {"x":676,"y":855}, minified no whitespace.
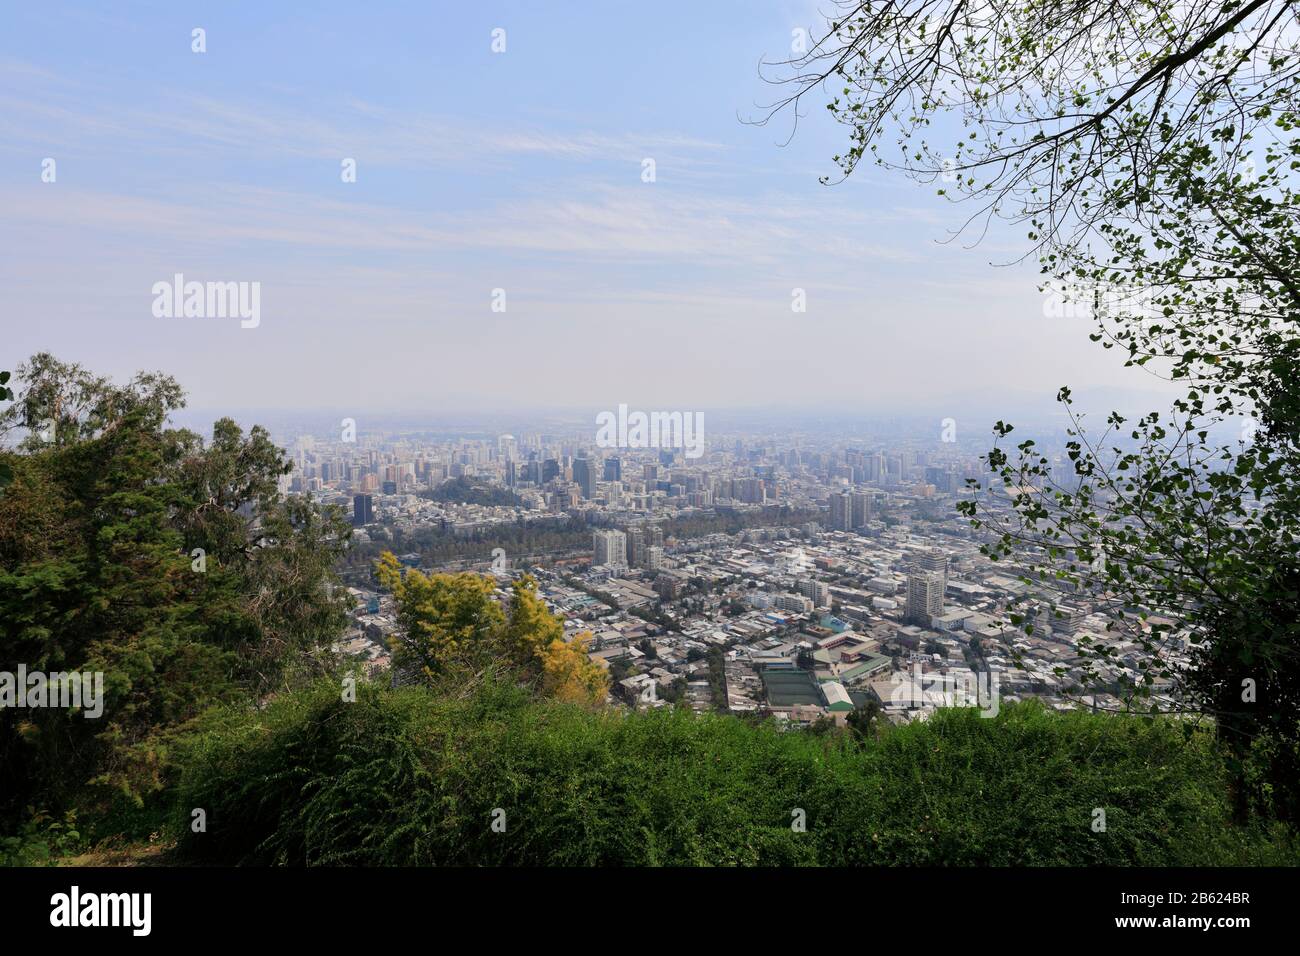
{"x":521,"y":171}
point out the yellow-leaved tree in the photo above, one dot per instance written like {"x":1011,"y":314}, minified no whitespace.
{"x":535,"y":637}
{"x":568,"y":674}
{"x":451,"y":620}
{"x":444,"y":618}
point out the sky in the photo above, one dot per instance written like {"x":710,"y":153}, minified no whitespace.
{"x":476,"y":171}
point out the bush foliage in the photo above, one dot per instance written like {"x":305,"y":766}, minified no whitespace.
{"x":406,"y":777}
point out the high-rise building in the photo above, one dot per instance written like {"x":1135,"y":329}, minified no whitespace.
{"x":636,"y":546}
{"x":584,"y":476}
{"x":841,"y":511}
{"x":654,"y":557}
{"x":818,"y":592}
{"x":609,"y":548}
{"x":750,"y":490}
{"x":363,"y":510}
{"x":924,"y":597}
{"x":937,"y":561}
{"x":614,"y":469}
{"x":861,"y":509}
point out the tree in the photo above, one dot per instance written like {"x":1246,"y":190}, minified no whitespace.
{"x":531,"y":627}
{"x":445,"y":619}
{"x":862,"y":721}
{"x":116,"y":557}
{"x":569,"y":675}
{"x":537,"y":637}
{"x":6,"y":395}
{"x":453,"y":629}
{"x":1149,"y":149}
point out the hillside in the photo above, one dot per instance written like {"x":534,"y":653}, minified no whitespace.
{"x":404,"y":778}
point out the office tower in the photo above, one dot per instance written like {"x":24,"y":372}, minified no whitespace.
{"x":609,"y":548}
{"x":550,"y":469}
{"x":924,"y":597}
{"x":613,"y":469}
{"x":584,"y":476}
{"x":510,"y":474}
{"x":861,"y":510}
{"x":363,"y":510}
{"x":841,"y":511}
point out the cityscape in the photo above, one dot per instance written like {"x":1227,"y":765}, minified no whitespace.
{"x":841,"y":572}
{"x":471,"y":461}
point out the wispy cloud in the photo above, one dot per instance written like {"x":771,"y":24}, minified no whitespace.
{"x":41,"y":107}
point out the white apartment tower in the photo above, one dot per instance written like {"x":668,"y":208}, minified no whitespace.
{"x":609,"y":548}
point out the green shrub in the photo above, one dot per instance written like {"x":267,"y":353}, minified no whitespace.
{"x":41,"y":840}
{"x":402,"y":777}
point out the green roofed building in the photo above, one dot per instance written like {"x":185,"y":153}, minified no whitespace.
{"x":837,"y":698}
{"x":874,"y":664}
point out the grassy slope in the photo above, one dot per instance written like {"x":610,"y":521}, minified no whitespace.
{"x":401,"y":777}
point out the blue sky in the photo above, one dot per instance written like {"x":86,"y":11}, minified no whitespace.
{"x":475,"y":171}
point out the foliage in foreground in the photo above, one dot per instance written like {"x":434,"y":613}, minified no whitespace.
{"x":1151,"y":150}
{"x":169,"y":563}
{"x":403,"y":777}
{"x":452,"y":631}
